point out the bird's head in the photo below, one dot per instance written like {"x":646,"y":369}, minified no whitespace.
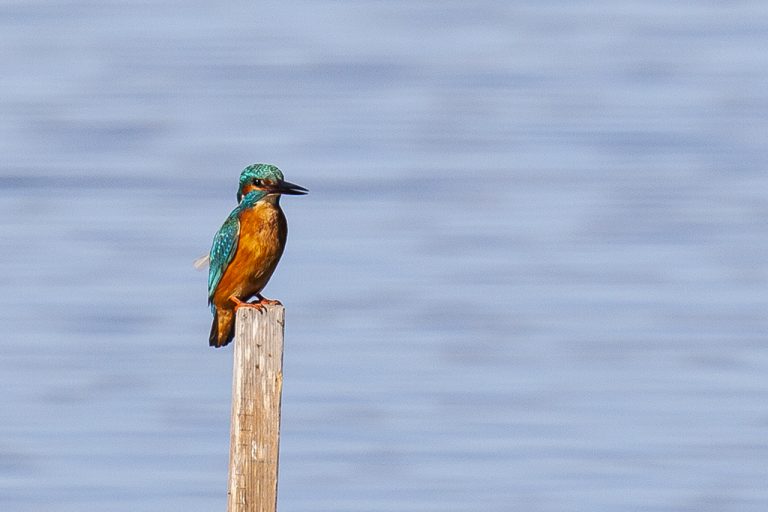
{"x":266,"y":178}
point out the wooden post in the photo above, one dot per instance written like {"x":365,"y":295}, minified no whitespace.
{"x":257,"y":383}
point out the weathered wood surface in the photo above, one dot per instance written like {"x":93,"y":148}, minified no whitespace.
{"x":257,"y":381}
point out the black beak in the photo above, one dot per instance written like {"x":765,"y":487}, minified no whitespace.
{"x":290,"y":189}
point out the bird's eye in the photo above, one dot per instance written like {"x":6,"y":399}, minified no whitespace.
{"x":257,"y":183}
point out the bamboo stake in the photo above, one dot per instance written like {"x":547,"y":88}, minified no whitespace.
{"x":257,"y":381}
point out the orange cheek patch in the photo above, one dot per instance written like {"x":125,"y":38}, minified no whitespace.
{"x":249,"y":188}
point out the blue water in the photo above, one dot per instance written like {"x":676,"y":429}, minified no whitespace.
{"x":530,"y":275}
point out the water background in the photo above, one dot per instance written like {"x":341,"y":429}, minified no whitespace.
{"x":530,"y":276}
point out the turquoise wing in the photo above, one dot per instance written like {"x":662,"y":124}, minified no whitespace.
{"x":222,"y":251}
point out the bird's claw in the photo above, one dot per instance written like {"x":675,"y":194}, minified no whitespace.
{"x":258,"y":306}
{"x":271,"y":302}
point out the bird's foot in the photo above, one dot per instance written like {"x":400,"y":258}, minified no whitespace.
{"x":258,"y":306}
{"x":271,"y":302}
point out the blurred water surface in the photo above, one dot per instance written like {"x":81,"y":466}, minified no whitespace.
{"x":531,"y":274}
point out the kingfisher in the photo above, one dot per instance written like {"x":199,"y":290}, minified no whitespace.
{"x":247,"y":247}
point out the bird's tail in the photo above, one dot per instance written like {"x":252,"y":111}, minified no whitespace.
{"x":223,"y":328}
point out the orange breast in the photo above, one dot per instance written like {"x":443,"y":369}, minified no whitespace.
{"x":262,"y":239}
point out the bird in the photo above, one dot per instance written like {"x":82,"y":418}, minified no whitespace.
{"x":246,"y":249}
